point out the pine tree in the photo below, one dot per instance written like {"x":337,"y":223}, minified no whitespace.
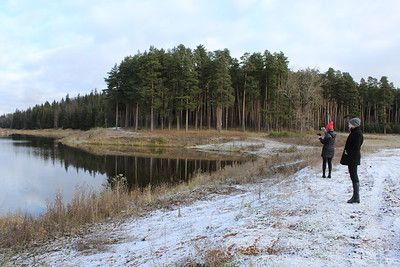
{"x":222,"y":90}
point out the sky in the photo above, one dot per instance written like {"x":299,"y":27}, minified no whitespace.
{"x":53,"y":48}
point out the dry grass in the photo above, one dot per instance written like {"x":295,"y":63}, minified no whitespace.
{"x":51,"y":133}
{"x":208,"y":254}
{"x":4,"y":132}
{"x":19,"y":230}
{"x":163,"y":142}
{"x":217,"y":257}
{"x":129,"y":138}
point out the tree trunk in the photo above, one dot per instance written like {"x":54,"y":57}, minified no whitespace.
{"x":219,"y":117}
{"x":209,"y":115}
{"x":244,"y":110}
{"x":226,"y":119}
{"x":116,"y":116}
{"x":151,"y":118}
{"x":259,"y":115}
{"x":126,"y":115}
{"x":201,"y":116}
{"x":187,"y":120}
{"x":137,"y":117}
{"x":238,"y":107}
{"x":196,"y":119}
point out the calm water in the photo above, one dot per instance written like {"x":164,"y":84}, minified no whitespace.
{"x":33,"y":170}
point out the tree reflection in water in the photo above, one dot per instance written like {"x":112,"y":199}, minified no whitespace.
{"x":140,"y":171}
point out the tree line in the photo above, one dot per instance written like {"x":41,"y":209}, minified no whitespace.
{"x":199,"y":89}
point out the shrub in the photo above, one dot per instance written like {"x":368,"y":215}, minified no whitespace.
{"x":276,"y":134}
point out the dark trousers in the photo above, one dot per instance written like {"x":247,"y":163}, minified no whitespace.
{"x":353,"y":173}
{"x":324,"y":161}
{"x":356,"y":185}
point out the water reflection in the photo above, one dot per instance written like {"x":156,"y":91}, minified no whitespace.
{"x":34,"y":169}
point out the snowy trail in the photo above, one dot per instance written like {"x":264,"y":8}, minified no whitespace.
{"x":296,"y":221}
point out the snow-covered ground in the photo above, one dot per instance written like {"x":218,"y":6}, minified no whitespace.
{"x":300,"y":220}
{"x":260,"y":147}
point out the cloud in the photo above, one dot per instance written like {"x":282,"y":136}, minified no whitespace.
{"x":55,"y":48}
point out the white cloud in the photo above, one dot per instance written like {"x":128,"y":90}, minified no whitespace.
{"x":64,"y":47}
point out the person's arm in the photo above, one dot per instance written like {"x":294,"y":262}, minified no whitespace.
{"x":354,"y":144}
{"x":324,"y":140}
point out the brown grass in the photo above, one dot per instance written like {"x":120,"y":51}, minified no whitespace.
{"x":20,"y":230}
{"x":217,"y":257}
{"x":51,"y":133}
{"x":130,"y":140}
{"x":162,"y":142}
{"x":207,"y":254}
{"x":4,"y":132}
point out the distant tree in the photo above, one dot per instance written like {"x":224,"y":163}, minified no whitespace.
{"x":187,"y":83}
{"x":385,"y":101}
{"x":151,"y":81}
{"x":303,"y":91}
{"x":114,"y":90}
{"x":252,"y":70}
{"x":203,"y":67}
{"x":222,"y":90}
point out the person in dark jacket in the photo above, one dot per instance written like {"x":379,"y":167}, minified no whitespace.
{"x":352,"y":156}
{"x":328,"y":148}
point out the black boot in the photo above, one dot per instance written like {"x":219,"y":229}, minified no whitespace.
{"x":329,"y":168}
{"x":356,"y":194}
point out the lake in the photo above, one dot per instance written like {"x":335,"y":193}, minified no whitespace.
{"x":33,"y":170}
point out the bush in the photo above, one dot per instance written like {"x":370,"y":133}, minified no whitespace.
{"x":157,"y":141}
{"x":278,"y":134}
{"x":396,"y":128}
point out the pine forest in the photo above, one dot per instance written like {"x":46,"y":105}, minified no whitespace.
{"x":182,"y":88}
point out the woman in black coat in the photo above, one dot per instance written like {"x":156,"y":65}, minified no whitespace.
{"x":351,"y":156}
{"x":328,"y":149}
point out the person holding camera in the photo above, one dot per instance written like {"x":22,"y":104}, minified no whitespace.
{"x":328,"y":148}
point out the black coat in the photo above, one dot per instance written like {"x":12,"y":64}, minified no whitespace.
{"x":328,"y":150}
{"x":351,"y":153}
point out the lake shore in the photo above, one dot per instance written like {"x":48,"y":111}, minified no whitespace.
{"x":128,"y":141}
{"x":103,"y":141}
